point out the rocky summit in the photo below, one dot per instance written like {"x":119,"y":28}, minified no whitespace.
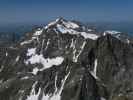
{"x":66,"y":60}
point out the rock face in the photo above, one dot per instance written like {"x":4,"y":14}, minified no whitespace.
{"x":67,"y":61}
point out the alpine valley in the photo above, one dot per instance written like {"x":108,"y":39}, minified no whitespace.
{"x":66,"y":60}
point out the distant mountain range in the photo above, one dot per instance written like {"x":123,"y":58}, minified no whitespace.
{"x":13,"y":33}
{"x":125,"y":27}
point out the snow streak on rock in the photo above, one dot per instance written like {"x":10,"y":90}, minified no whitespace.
{"x":33,"y":95}
{"x":17,"y":59}
{"x":56,"y":95}
{"x":94,"y":72}
{"x":75,"y":59}
{"x":95,"y":67}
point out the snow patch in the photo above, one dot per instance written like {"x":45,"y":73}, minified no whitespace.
{"x":70,"y":25}
{"x":6,"y":53}
{"x":17,"y":59}
{"x":102,"y":98}
{"x":31,"y":51}
{"x":65,"y":30}
{"x":24,"y":78}
{"x":89,"y":30}
{"x":90,"y":36}
{"x":25,"y":42}
{"x":38,"y":32}
{"x":35,"y":70}
{"x":128,"y":41}
{"x":46,"y":62}
{"x":62,"y":29}
{"x":111,"y":32}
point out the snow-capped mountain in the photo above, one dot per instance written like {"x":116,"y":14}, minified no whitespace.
{"x":65,"y":60}
{"x":68,"y":27}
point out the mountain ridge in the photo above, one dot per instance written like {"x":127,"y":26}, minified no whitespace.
{"x":74,"y":64}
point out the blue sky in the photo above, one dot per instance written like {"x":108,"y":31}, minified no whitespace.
{"x":13,"y":11}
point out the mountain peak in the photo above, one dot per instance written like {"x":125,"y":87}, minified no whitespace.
{"x":63,"y":22}
{"x":60,"y":19}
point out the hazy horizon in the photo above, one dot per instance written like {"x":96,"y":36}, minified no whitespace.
{"x":36,"y":11}
{"x":20,"y":28}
